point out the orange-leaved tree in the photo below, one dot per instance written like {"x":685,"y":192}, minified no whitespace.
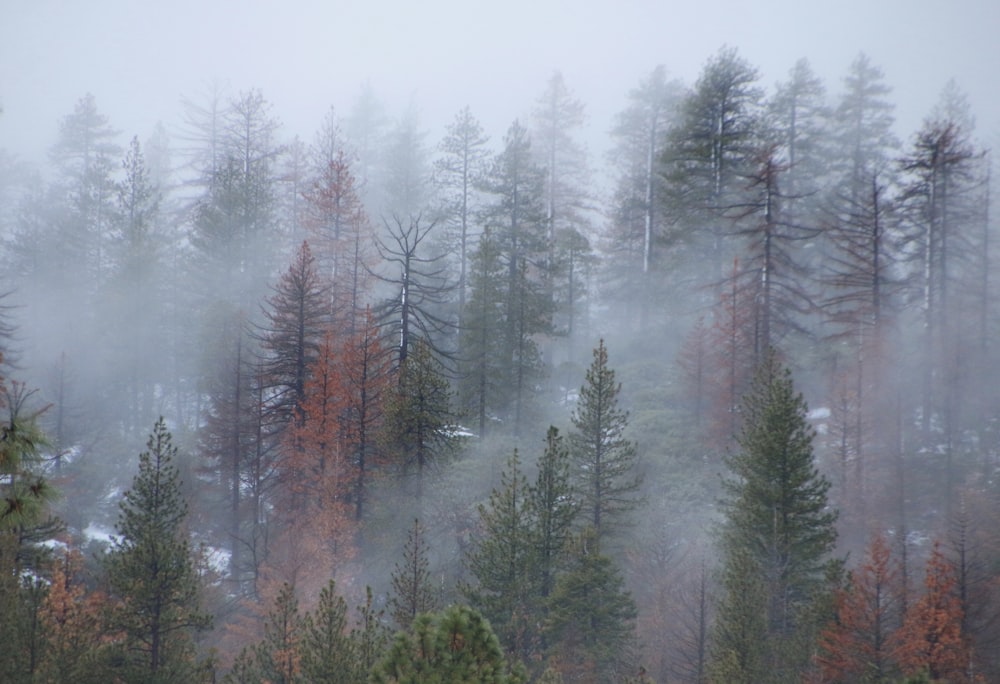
{"x":931,"y":639}
{"x":861,"y":642}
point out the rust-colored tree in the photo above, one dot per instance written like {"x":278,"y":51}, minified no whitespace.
{"x":315,"y":472}
{"x":861,"y":642}
{"x":366,"y":379}
{"x":339,"y":229}
{"x":931,"y":638}
{"x":71,"y":621}
{"x":731,"y":339}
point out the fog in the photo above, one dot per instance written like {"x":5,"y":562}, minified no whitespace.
{"x":251,"y":222}
{"x":139,"y":60}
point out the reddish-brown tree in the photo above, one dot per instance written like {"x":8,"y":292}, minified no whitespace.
{"x":733,"y":357}
{"x":339,"y":228}
{"x":860,"y":644}
{"x":315,"y":470}
{"x":71,"y":620}
{"x":931,"y":637}
{"x":365,"y":369}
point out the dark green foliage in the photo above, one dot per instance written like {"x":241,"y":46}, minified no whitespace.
{"x":413,"y":591}
{"x":329,"y":653}
{"x":592,"y":616}
{"x":553,"y":508}
{"x":776,"y":539}
{"x":371,"y":636}
{"x":604,"y":461}
{"x":502,"y":562}
{"x":418,"y":429}
{"x":455,"y":646}
{"x":150,"y":571}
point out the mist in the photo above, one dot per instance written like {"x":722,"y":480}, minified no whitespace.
{"x":361,"y":261}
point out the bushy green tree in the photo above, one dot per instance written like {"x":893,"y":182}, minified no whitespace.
{"x":776,"y":538}
{"x":150,"y":571}
{"x":454,"y":646}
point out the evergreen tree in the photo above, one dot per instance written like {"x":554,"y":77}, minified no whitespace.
{"x":776,"y":538}
{"x":635,"y":246}
{"x":418,"y":426}
{"x":455,"y":645}
{"x":328,"y":654}
{"x":276,"y":659}
{"x":707,"y":155}
{"x":457,"y":174}
{"x":25,"y":495}
{"x":150,"y":571}
{"x":413,"y":592}
{"x":554,"y":509}
{"x":591,"y":622}
{"x":604,"y":461}
{"x":502,"y":563}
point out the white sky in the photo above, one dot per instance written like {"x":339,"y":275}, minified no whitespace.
{"x":138,"y":57}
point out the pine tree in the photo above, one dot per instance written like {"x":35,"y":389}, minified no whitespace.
{"x":861,"y":643}
{"x":276,"y":659}
{"x":931,"y":638}
{"x":457,"y":173}
{"x":413,"y":592}
{"x":418,"y":426}
{"x":604,"y":461}
{"x":554,"y":510}
{"x":776,"y":538}
{"x":591,"y":622}
{"x":25,"y":495}
{"x":150,"y":571}
{"x":455,"y":645}
{"x":502,"y":563}
{"x":328,"y":654}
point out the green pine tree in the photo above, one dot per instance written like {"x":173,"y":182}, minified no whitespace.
{"x":502,"y":562}
{"x":776,"y":539}
{"x":328,"y":653}
{"x":455,"y":646}
{"x":591,"y":623}
{"x":605,"y":462}
{"x":150,"y":570}
{"x":413,"y":591}
{"x":24,"y":498}
{"x":419,"y":426}
{"x":554,"y":509}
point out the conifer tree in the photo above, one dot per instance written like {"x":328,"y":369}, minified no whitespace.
{"x":276,"y":659}
{"x":413,"y":592}
{"x":554,"y":510}
{"x":604,"y":461}
{"x":418,"y":419}
{"x":455,"y":645}
{"x":328,"y":654}
{"x":501,"y":561}
{"x":776,"y":538}
{"x":931,"y":638}
{"x":860,"y":644}
{"x":591,"y":620}
{"x":150,"y":571}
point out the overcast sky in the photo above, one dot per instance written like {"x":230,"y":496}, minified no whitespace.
{"x":140,"y":57}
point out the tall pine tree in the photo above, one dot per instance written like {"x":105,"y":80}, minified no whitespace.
{"x":776,"y":539}
{"x":150,"y":570}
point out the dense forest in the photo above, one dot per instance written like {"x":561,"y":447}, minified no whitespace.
{"x":380,"y":403}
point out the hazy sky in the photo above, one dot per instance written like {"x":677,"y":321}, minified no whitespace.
{"x":139,"y":57}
